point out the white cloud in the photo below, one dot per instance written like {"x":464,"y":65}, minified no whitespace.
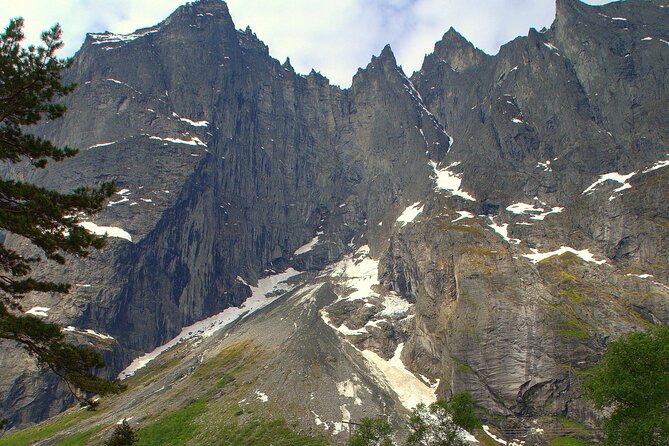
{"x":334,"y":38}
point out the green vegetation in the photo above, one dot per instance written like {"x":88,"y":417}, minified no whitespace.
{"x":44,"y":431}
{"x":30,"y":80}
{"x":484,"y":438}
{"x":572,"y":328}
{"x":632,"y":380}
{"x":438,"y":424}
{"x":372,"y":432}
{"x":447,"y":226}
{"x":174,"y":428}
{"x":80,"y":438}
{"x":461,"y":407}
{"x":567,"y":441}
{"x":265,"y":433}
{"x":123,"y":435}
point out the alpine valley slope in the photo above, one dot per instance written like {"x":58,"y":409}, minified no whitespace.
{"x":488,"y":224}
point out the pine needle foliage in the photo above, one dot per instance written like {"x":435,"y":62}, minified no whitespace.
{"x":631,"y":383}
{"x":30,"y":82}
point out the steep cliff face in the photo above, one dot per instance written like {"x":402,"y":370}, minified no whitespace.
{"x":514,"y":206}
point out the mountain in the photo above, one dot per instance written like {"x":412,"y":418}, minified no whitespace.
{"x":487,"y":224}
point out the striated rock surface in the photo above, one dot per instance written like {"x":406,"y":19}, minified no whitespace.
{"x":487,"y":224}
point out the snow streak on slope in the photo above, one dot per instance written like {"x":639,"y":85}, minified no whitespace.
{"x":612,"y":176}
{"x":503,"y":231}
{"x":584,"y":254}
{"x":410,"y":213}
{"x":268,"y":289}
{"x":410,"y":390}
{"x":361,"y":274}
{"x":449,"y":181}
{"x":39,"y":311}
{"x":307,"y":246}
{"x":109,"y":231}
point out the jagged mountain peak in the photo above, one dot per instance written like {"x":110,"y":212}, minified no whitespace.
{"x":384,"y":65}
{"x":481,"y":262}
{"x":287,"y":65}
{"x":456,"y":51}
{"x":387,"y":54}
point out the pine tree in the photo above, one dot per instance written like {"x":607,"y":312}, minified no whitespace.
{"x":30,"y":79}
{"x":372,"y":432}
{"x":441,"y":423}
{"x":632,"y":384}
{"x":123,"y":435}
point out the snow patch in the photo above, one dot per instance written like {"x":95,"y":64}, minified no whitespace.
{"x":491,"y":435}
{"x":360,"y":273}
{"x":552,"y":47}
{"x":39,"y":311}
{"x":449,"y":181}
{"x":611,"y":176}
{"x":521,"y":208}
{"x":463,"y":215}
{"x":109,"y":231}
{"x":539,"y":213}
{"x":657,"y":165}
{"x":553,"y":210}
{"x":410,"y":213}
{"x":584,"y":254}
{"x":546,"y":165}
{"x":194,"y":141}
{"x":190,"y":121}
{"x":307,"y":247}
{"x":114,"y":203}
{"x":268,"y":290}
{"x":262,"y":397}
{"x":88,"y":331}
{"x":502,"y":230}
{"x":350,"y":389}
{"x":394,"y":305}
{"x":105,"y":38}
{"x":410,"y":389}
{"x":100,"y":144}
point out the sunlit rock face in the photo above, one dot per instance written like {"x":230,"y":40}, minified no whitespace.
{"x":486,"y":224}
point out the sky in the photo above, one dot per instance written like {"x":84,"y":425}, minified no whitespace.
{"x":333,"y":37}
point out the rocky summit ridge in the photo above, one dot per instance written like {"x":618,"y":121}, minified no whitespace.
{"x":487,"y":224}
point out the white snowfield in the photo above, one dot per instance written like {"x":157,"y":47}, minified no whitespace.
{"x":109,"y":231}
{"x":584,"y":254}
{"x":622,"y":179}
{"x":89,"y":332}
{"x":192,"y":122}
{"x":194,"y":141}
{"x":449,"y":181}
{"x":410,"y":213}
{"x":503,"y":231}
{"x":658,"y":165}
{"x":100,"y":144}
{"x":39,"y":311}
{"x":611,"y":176}
{"x":538,"y":212}
{"x":268,"y":290}
{"x":307,"y":246}
{"x":410,"y":390}
{"x":361,"y":272}
{"x":463,"y":215}
{"x":105,"y":38}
